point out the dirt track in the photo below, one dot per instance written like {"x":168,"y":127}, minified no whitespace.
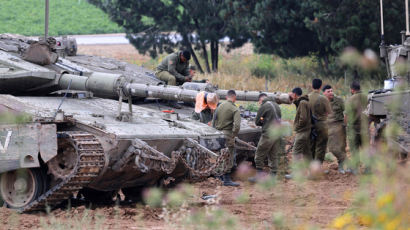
{"x":311,"y":202}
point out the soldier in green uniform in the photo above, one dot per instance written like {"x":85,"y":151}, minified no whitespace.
{"x":269,"y":147}
{"x":357,"y":122}
{"x":320,"y":107}
{"x":301,"y":125}
{"x":337,"y":129}
{"x":227,"y":118}
{"x":174,"y":69}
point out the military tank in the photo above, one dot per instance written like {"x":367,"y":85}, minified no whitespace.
{"x":77,"y":130}
{"x":396,"y":91}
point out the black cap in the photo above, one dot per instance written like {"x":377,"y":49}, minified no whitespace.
{"x":297,"y":91}
{"x":186,"y":54}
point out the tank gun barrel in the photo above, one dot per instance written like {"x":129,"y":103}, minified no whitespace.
{"x":108,"y":85}
{"x":280,"y":98}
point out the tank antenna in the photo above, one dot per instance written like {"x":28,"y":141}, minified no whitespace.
{"x":46,"y":20}
{"x":381,"y":23}
{"x":407,"y":18}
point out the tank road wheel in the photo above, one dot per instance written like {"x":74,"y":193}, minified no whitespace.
{"x":20,"y":187}
{"x":65,"y":162}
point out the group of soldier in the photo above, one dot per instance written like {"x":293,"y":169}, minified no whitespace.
{"x":319,"y":125}
{"x":321,"y":121}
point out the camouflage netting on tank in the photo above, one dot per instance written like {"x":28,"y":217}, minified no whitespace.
{"x":199,"y":161}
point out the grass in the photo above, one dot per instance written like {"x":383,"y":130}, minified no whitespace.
{"x":66,"y":17}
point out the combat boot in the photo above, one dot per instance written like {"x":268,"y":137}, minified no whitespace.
{"x":341,"y":169}
{"x":260,"y":175}
{"x":228,"y":181}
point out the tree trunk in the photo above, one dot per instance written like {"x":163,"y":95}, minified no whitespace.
{"x":326,"y":59}
{"x":198,"y":65}
{"x":205,"y":54}
{"x":214,"y":55}
{"x":188,"y":44}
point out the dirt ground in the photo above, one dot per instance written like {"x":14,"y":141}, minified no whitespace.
{"x":314,"y":202}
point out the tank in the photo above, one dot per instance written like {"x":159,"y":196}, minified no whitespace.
{"x":71,"y":126}
{"x":396,"y":91}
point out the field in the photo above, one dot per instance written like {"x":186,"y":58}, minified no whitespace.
{"x":380,"y":200}
{"x":66,"y":17}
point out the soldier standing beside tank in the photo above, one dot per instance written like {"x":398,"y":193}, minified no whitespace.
{"x":227,"y":118}
{"x":302,"y":125}
{"x":320,"y":107}
{"x":337,"y":129}
{"x":269,"y":147}
{"x":205,"y":105}
{"x":357,"y":123}
{"x":174,"y":70}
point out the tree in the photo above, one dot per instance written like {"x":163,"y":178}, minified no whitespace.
{"x":291,"y":28}
{"x":156,"y":26}
{"x":280,"y":29}
{"x":342,"y":23}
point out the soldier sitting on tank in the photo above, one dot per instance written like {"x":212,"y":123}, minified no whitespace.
{"x":205,"y":105}
{"x":174,"y":69}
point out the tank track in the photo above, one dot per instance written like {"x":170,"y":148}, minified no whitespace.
{"x":90,"y":161}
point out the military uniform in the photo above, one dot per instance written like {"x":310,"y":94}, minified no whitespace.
{"x":204,"y":116}
{"x":320,"y":107}
{"x":357,"y":122}
{"x":302,"y":126}
{"x":172,"y":70}
{"x":337,"y":129}
{"x":268,"y":147}
{"x":228,"y":119}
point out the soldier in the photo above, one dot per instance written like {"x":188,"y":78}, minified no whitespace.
{"x":320,"y":107}
{"x":174,"y":69}
{"x":205,"y":105}
{"x":269,"y":147}
{"x":192,"y":71}
{"x":337,"y":129}
{"x":227,"y":118}
{"x":357,"y":123}
{"x":301,"y":125}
